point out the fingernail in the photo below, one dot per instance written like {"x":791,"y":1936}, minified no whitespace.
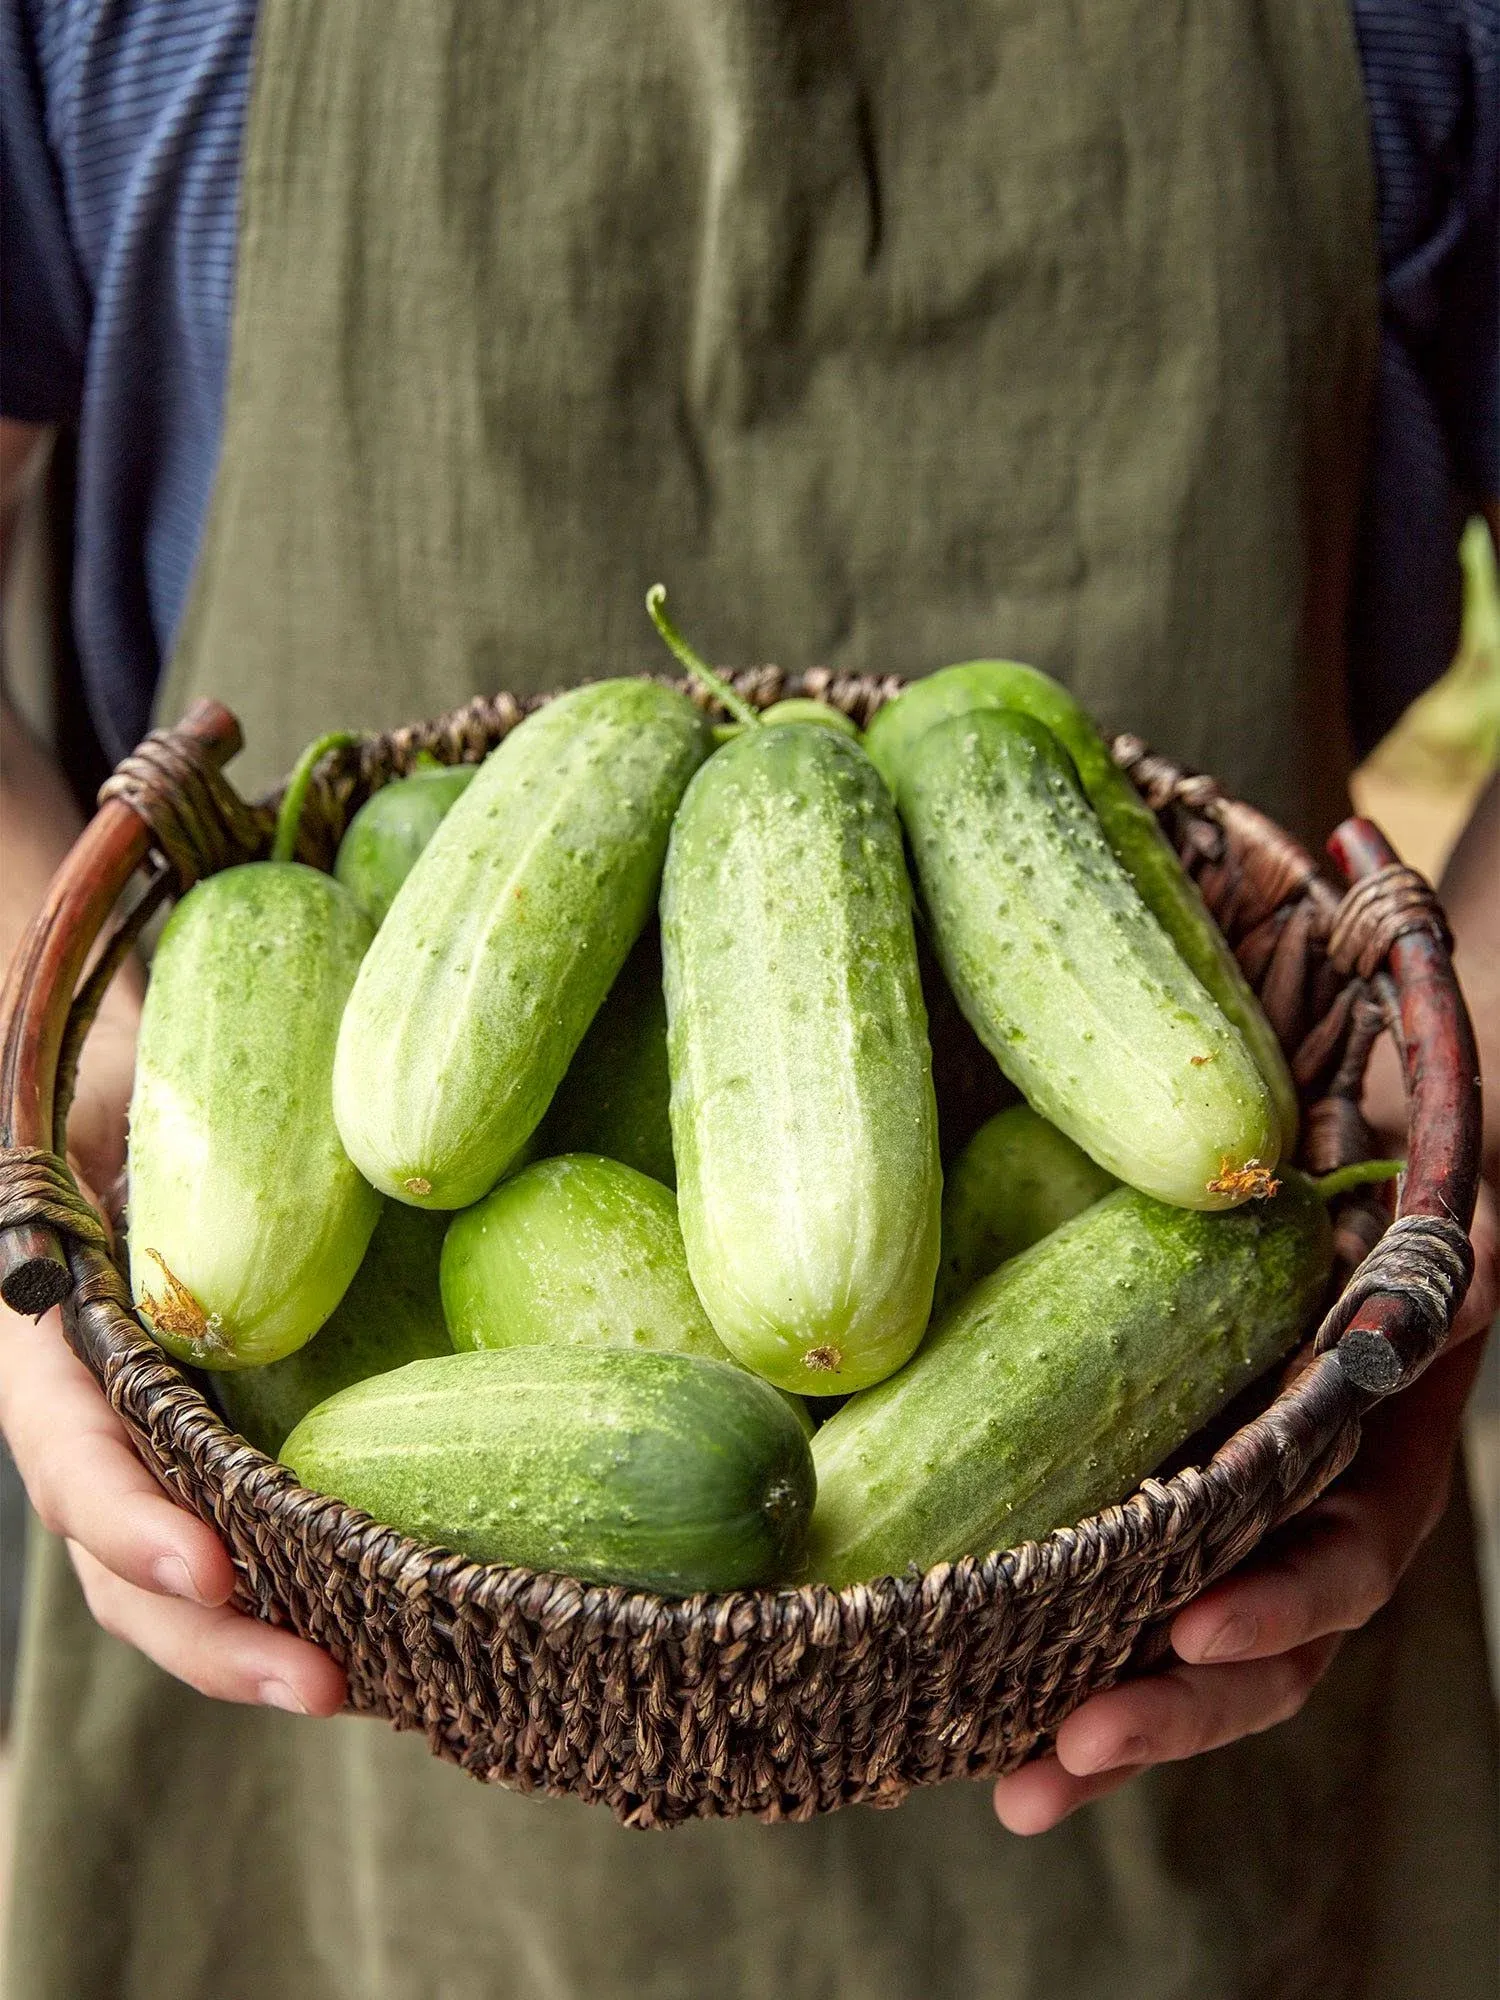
{"x":281,"y":1694}
{"x":172,"y":1575}
{"x":1233,"y":1638}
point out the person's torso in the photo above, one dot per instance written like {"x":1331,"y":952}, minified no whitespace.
{"x":885,"y":337}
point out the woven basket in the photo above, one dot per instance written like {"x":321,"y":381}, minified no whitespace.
{"x":788,"y":1703}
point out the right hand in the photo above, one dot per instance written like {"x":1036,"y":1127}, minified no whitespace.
{"x":153,"y":1574}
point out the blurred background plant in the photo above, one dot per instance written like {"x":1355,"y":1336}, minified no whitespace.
{"x":1421,"y":782}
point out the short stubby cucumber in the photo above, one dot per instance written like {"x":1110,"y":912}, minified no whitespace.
{"x":1064,"y":1379}
{"x":667,"y":1472}
{"x":381,"y":843}
{"x":1069,"y":980}
{"x":1129,"y":825}
{"x":506,"y":936}
{"x":392,"y":1313}
{"x":616,"y":1096}
{"x":247,"y":1217}
{"x":803,"y":1119}
{"x":579,"y":1251}
{"x":1016,"y":1181}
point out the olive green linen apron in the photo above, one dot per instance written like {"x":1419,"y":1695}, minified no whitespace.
{"x":887,"y":335}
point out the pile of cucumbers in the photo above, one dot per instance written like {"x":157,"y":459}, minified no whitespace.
{"x":560,"y":1179}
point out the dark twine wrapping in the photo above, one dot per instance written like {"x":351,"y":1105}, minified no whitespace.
{"x":783,"y":1704}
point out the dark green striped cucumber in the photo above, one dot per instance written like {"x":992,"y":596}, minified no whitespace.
{"x":615,"y":1098}
{"x":578,"y":1251}
{"x":506,"y":936}
{"x":1016,"y":1181}
{"x":1069,"y":980}
{"x":1064,"y":1379}
{"x":392,"y":1313}
{"x":804,"y":1124}
{"x":803,"y":1119}
{"x":381,"y":843}
{"x":667,"y":1472}
{"x":247,"y":1217}
{"x":1129,"y":824}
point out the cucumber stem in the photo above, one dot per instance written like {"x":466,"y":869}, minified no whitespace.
{"x":1363,"y":1173}
{"x":289,"y":818}
{"x":699,"y":670}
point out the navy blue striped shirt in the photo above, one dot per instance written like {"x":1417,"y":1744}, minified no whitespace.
{"x":121,"y":123}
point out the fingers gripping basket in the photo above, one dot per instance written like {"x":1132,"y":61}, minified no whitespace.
{"x":778,"y":1703}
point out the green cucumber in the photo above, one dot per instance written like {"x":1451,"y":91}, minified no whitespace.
{"x":392,"y":1313}
{"x":796,"y":708}
{"x":382,"y":841}
{"x":1016,"y":1181}
{"x":578,"y":1251}
{"x":1068,"y":978}
{"x":803,"y":1119}
{"x":804,"y":708}
{"x":616,"y":1095}
{"x":506,"y":936}
{"x":247,"y":1218}
{"x":804,"y":1123}
{"x":1130,"y":827}
{"x":666,"y":1472}
{"x":1064,"y":1379}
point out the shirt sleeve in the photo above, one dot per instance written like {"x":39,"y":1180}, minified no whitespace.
{"x":1432,"y":81}
{"x":44,"y":305}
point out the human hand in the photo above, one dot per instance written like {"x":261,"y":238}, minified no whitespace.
{"x":1251,"y":1649}
{"x":153,"y":1574}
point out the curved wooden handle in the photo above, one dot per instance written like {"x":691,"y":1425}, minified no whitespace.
{"x":1394,"y":1335}
{"x":39,"y":989}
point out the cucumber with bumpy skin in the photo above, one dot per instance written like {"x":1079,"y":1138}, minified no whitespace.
{"x":1064,"y":1379}
{"x":1070,"y":982}
{"x":392,"y":1313}
{"x":506,"y":936}
{"x":247,"y":1218}
{"x":1016,"y":1181}
{"x":383,"y":840}
{"x":1129,"y":825}
{"x":803,"y":1119}
{"x":616,"y":1096}
{"x":667,"y":1472}
{"x":576,"y":1251}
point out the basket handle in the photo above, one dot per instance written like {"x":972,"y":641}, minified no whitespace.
{"x":1397,"y":1309}
{"x":168,"y":796}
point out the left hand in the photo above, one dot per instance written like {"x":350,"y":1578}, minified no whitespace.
{"x":1252,"y":1648}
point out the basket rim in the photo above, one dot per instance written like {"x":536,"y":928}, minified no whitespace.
{"x":1304,"y":1436}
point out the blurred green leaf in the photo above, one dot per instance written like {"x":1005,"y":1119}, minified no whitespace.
{"x":1451,"y":736}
